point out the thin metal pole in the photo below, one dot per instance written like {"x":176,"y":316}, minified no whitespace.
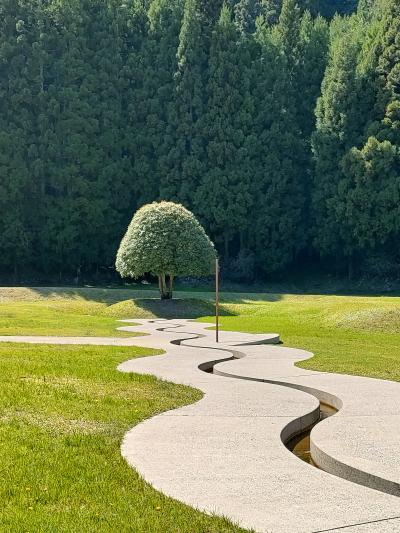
{"x":216,"y":300}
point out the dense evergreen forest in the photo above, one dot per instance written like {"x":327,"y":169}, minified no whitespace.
{"x":278,"y":125}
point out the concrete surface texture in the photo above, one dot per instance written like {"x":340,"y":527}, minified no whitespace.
{"x":225,"y":454}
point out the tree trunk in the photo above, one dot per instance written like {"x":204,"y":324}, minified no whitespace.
{"x":15,"y":273}
{"x":171,"y":285}
{"x":226,"y":245}
{"x":350,"y":268}
{"x":165,"y":292}
{"x":241,"y":241}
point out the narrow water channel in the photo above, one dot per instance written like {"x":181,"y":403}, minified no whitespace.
{"x":300,"y":444}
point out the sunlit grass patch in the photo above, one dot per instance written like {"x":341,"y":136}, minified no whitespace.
{"x":57,"y":424}
{"x":374,"y":319}
{"x":56,"y":317}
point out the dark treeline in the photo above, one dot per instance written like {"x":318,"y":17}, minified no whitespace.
{"x":278,"y":128}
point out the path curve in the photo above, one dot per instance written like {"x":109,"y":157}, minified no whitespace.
{"x":224,"y":454}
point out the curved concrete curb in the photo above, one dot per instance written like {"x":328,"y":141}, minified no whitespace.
{"x":224,"y":454}
{"x":383,"y":477}
{"x":361,"y":442}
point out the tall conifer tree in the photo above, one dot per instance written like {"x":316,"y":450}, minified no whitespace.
{"x":158,"y":101}
{"x":370,"y":189}
{"x":225,"y":197}
{"x":337,"y":130}
{"x":279,"y":230}
{"x":186,"y":157}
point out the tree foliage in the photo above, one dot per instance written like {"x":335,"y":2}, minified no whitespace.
{"x":165,"y":239}
{"x":357,"y":140}
{"x":277,"y":127}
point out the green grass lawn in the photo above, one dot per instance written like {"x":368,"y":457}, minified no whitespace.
{"x":63,"y":413}
{"x":64,"y":409}
{"x":348,"y":334}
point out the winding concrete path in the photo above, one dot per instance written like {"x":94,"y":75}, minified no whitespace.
{"x":225,"y":454}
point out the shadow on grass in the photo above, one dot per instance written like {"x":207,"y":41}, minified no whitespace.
{"x":179,"y":308}
{"x":112,"y":296}
{"x":104,"y":295}
{"x":144,"y":303}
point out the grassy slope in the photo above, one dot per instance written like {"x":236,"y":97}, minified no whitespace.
{"x":63,"y":413}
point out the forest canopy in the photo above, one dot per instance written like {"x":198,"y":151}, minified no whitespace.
{"x":277,"y":124}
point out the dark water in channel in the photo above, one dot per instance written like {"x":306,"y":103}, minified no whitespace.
{"x":300,"y":444}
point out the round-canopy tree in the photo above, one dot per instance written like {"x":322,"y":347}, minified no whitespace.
{"x":166,"y":240}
